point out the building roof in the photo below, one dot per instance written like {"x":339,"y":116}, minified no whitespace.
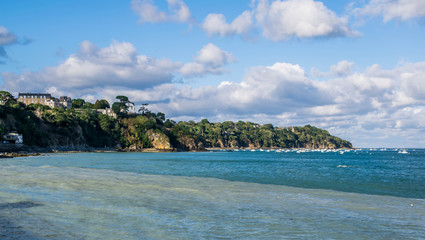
{"x":64,"y":98}
{"x":37,"y":95}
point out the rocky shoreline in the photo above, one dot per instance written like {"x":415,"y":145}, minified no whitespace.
{"x":17,"y":154}
{"x":27,"y":151}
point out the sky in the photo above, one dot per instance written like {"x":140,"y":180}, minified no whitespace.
{"x":353,"y":67}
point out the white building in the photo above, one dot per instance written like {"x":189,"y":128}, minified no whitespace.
{"x":107,"y":111}
{"x":131,"y":107}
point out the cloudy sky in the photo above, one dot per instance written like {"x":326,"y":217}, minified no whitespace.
{"x":353,"y":67}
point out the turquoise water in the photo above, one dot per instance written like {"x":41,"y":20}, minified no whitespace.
{"x":214,"y":195}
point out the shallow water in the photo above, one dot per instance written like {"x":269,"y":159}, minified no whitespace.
{"x":210,"y":196}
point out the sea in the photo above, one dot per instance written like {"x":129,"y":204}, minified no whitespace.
{"x":261,"y":194}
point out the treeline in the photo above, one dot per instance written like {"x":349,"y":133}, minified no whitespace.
{"x":83,"y":126}
{"x":252,"y":135}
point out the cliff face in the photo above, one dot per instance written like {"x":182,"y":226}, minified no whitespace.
{"x":159,"y":140}
{"x":188,"y":143}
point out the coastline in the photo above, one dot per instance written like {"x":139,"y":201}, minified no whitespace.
{"x":26,"y":151}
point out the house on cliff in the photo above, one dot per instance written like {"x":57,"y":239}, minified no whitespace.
{"x":45,"y":99}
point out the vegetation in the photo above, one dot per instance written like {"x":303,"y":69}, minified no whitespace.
{"x":248,"y":134}
{"x":82,"y":125}
{"x":78,"y":103}
{"x":120,"y":107}
{"x":101,"y":104}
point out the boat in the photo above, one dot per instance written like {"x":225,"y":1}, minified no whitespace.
{"x":403,"y":151}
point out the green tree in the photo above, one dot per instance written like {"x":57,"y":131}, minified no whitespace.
{"x":267,"y":126}
{"x":88,"y":105}
{"x":78,"y":103}
{"x":6,"y":97}
{"x":122,"y":99}
{"x":160,"y":116}
{"x":106,"y":123}
{"x":118,"y":107}
{"x":101,"y":104}
{"x":169,"y":123}
{"x":144,"y":110}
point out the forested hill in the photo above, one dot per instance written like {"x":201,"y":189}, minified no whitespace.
{"x":252,"y":135}
{"x":84,"y":127}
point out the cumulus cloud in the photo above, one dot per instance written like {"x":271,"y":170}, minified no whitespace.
{"x":95,"y":71}
{"x":394,"y":9}
{"x":282,"y":20}
{"x":342,"y":68}
{"x":279,"y":20}
{"x":116,"y":65}
{"x":279,"y":88}
{"x":210,"y":59}
{"x":216,"y":24}
{"x":148,"y":12}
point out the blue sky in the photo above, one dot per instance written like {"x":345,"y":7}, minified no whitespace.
{"x":354,"y":68}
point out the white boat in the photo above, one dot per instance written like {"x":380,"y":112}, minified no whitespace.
{"x":403,"y":151}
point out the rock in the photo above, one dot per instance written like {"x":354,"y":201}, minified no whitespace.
{"x":159,"y":140}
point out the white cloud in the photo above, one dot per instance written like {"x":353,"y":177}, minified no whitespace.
{"x":119,"y":67}
{"x":282,"y":20}
{"x":6,"y":37}
{"x":394,"y":9}
{"x":116,"y":65}
{"x":279,"y":88}
{"x":411,"y":76}
{"x":279,"y":20}
{"x":342,"y":68}
{"x":215,"y":24}
{"x":210,"y":59}
{"x":213,"y":56}
{"x":148,"y":12}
